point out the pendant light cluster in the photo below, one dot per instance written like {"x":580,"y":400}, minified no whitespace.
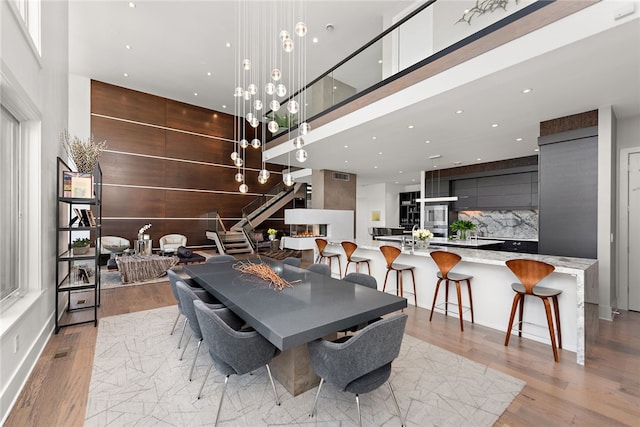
{"x":271,"y":63}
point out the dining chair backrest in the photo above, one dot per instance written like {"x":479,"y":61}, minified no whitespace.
{"x":530,"y":272}
{"x":291,"y":261}
{"x":362,"y":279}
{"x":321,"y":243}
{"x":319,"y":268}
{"x":445,"y":261}
{"x":220,"y":258}
{"x":186,"y":297}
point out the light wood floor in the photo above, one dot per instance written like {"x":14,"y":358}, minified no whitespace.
{"x":606,"y":392}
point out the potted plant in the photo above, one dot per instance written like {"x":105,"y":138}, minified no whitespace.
{"x":85,"y":153}
{"x":461,"y":226}
{"x":272,"y":233}
{"x":80,"y":246}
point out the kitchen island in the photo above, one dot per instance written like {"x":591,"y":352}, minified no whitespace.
{"x":492,"y":294}
{"x":442,"y":241}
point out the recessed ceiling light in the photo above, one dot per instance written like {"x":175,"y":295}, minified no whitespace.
{"x":228,"y":44}
{"x":335,"y":87}
{"x":478,"y":159}
{"x":374,"y":137}
{"x":427,"y":142}
{"x":410,"y":126}
{"x":208,"y":73}
{"x":126,"y":74}
{"x":346,"y":161}
{"x":375,"y":167}
{"x":128,"y":46}
{"x":495,"y":125}
{"x":396,"y":182}
{"x":413,"y":180}
{"x":457,"y":163}
{"x":346,"y":146}
{"x":435,"y":166}
{"x":527,"y":90}
{"x":399,"y":171}
{"x":315,"y":40}
{"x":132,"y":4}
{"x":536,"y":149}
{"x":380,"y":153}
{"x":379,"y":61}
{"x":518,"y":139}
{"x":224,"y":106}
{"x":195,"y":93}
{"x":459,"y":111}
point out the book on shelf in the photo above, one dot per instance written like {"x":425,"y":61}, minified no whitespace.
{"x":77,"y":185}
{"x":79,"y":216}
{"x":92,"y":218}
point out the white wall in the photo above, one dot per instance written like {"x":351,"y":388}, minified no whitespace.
{"x":384,"y":198}
{"x":41,"y":85}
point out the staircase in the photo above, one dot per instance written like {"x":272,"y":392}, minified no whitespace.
{"x":238,"y":240}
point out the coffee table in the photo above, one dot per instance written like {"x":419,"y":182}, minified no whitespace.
{"x":138,"y":268}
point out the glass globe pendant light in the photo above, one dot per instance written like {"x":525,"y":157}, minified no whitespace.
{"x":288,"y":179}
{"x":239,"y":177}
{"x":246,"y":64}
{"x":304,"y":128}
{"x":287,"y":45}
{"x":234,"y":155}
{"x":273,"y":126}
{"x":298,"y":142}
{"x":284,"y":35}
{"x":243,"y":188}
{"x":246,"y":95}
{"x":238,"y":161}
{"x":252,"y":88}
{"x":238,"y":91}
{"x":244,"y":143}
{"x":293,"y":107}
{"x":249,"y":116}
{"x":274,"y":105}
{"x":254,"y":122}
{"x":270,"y":88}
{"x":281,"y":90}
{"x":256,"y":143}
{"x":276,"y":74}
{"x":257,"y":104}
{"x":301,"y":155}
{"x":263,"y":176}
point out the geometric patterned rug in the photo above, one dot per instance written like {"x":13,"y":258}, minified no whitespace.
{"x":137,"y":379}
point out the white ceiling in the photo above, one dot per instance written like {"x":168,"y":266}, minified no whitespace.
{"x":174,"y":45}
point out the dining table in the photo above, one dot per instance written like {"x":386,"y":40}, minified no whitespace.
{"x":309,"y":307}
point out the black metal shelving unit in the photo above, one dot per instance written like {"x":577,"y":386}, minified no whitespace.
{"x":82,"y":291}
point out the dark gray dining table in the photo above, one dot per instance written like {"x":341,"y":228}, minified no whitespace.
{"x":313,"y":307}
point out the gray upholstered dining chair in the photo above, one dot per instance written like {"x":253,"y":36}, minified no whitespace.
{"x":187,"y":299}
{"x":362,"y":279}
{"x":323,"y":269}
{"x":220,"y":258}
{"x":202,"y":294}
{"x":232,"y":351}
{"x":290,"y":260}
{"x":360,"y":363}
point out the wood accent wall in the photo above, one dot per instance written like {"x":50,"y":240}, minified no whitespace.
{"x":498,"y":165}
{"x":564,"y":124}
{"x":168,"y":163}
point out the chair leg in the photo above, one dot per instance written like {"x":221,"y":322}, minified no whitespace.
{"x":369,"y":268}
{"x":175,"y":323}
{"x":224,"y":389}
{"x":459,"y":305}
{"x":514,"y":306}
{"x":184,"y":327}
{"x":557,"y":311}
{"x":273,"y":386}
{"x":552,"y":334}
{"x":315,"y":402}
{"x":399,"y":283}
{"x":446,"y":297}
{"x":193,"y":365}
{"x":470,"y":299}
{"x":206,"y":375}
{"x":185,"y":346}
{"x":359,"y":414}
{"x":339,"y":267}
{"x":415,"y":293}
{"x":521,"y":315}
{"x":385,"y":280}
{"x":435,"y":296}
{"x":346,"y":269}
{"x":396,"y":402}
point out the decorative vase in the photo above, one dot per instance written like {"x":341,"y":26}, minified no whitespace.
{"x":462,"y":235}
{"x":423,"y":243}
{"x":272,"y":237}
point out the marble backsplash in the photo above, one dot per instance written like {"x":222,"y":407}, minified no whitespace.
{"x":516,"y":224}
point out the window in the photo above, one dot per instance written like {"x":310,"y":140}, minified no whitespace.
{"x":10,"y":150}
{"x":29,"y":12}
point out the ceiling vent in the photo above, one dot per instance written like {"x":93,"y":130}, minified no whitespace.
{"x":341,"y":176}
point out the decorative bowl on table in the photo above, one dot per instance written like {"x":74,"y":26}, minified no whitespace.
{"x":116,"y":248}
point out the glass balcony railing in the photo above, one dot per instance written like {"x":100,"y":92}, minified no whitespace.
{"x":432,"y":30}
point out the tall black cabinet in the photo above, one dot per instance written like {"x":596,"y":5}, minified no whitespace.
{"x":568,"y":180}
{"x":77,"y":274}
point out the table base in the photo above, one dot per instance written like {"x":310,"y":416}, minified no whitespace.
{"x":292,"y":368}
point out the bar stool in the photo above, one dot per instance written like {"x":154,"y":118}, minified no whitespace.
{"x":390,"y":254}
{"x":349,"y":249}
{"x":322,"y":244}
{"x":530,"y":273}
{"x":445,"y":262}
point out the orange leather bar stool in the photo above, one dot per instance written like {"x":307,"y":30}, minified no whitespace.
{"x":322,"y":244}
{"x":390,"y":254}
{"x":530,"y":273}
{"x":349,"y":249}
{"x":445,"y":262}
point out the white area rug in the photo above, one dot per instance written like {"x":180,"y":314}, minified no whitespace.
{"x":137,"y":379}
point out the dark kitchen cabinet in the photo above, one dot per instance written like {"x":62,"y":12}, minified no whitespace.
{"x":519,"y":246}
{"x":409,"y":209}
{"x":506,"y":191}
{"x":467,"y":192}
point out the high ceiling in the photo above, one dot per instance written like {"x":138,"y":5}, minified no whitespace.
{"x":175,"y":44}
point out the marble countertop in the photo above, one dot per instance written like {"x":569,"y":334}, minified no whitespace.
{"x":519,"y":239}
{"x":442,"y":241}
{"x":567,"y":265}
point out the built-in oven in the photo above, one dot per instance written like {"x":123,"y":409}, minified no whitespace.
{"x":436,"y":219}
